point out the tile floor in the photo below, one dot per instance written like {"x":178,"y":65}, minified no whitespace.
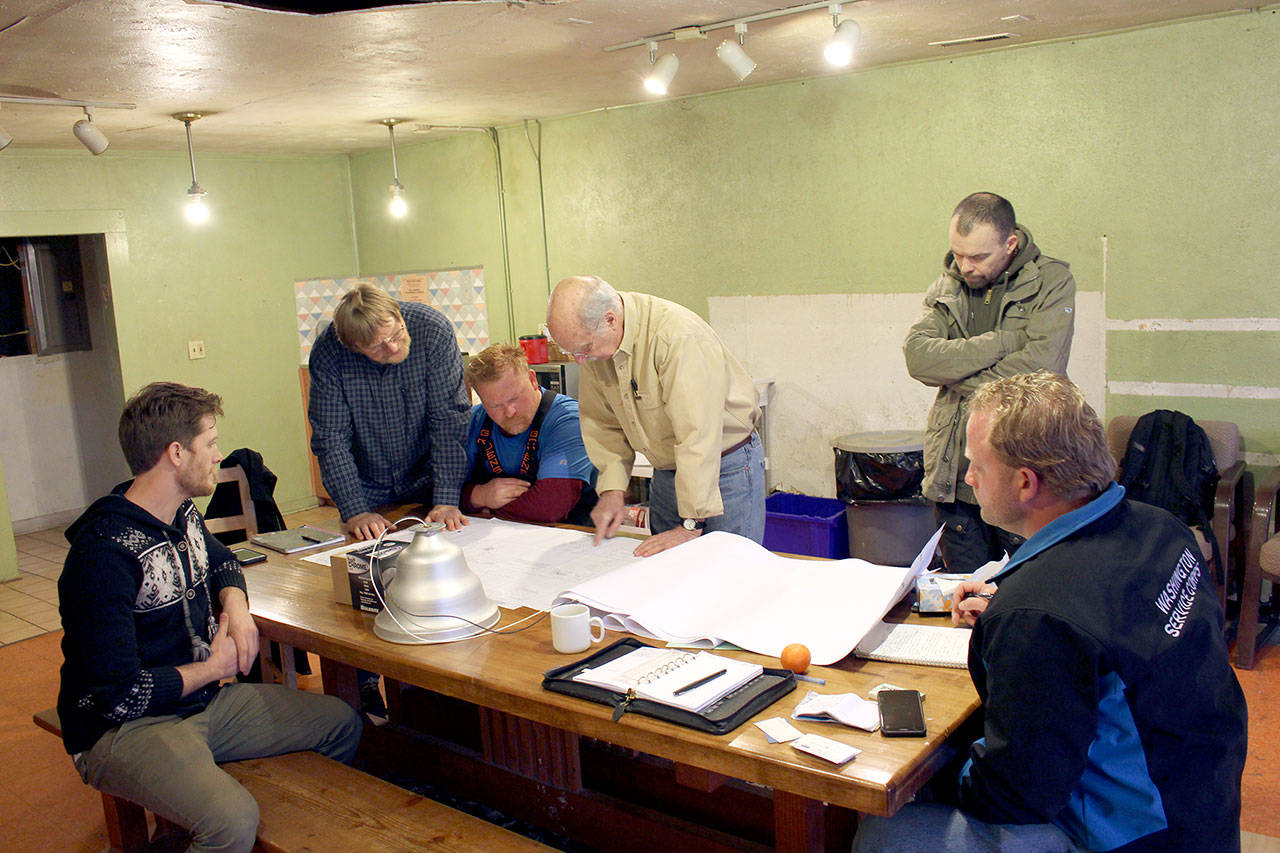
{"x":29,"y":605}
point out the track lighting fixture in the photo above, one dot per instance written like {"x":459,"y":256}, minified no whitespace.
{"x":197,"y":211}
{"x":839,"y":51}
{"x":398,"y":207}
{"x":734,"y":56}
{"x":89,"y":135}
{"x":85,"y":130}
{"x":663,"y":71}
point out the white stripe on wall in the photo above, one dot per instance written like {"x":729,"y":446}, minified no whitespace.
{"x":1174,"y":324}
{"x":1194,"y":389}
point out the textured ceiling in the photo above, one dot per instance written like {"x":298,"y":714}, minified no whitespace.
{"x":272,"y":81}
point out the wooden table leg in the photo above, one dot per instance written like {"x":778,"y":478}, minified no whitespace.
{"x":802,"y":824}
{"x":340,"y":680}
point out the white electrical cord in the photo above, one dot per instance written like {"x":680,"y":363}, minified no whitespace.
{"x":376,"y":583}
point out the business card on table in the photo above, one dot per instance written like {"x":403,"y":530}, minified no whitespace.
{"x":778,"y":730}
{"x":826,"y":748}
{"x":875,"y":691}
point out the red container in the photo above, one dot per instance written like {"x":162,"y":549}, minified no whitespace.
{"x":535,"y":348}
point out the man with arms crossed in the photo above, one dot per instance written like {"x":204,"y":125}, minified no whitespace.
{"x":156,"y":615}
{"x":388,"y":410}
{"x":999,"y":308}
{"x":1112,"y":719}
{"x":524,"y":447}
{"x":657,"y":379}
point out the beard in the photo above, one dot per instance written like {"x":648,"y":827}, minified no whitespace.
{"x":198,"y":484}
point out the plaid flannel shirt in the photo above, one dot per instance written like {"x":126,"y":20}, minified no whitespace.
{"x":390,"y":432}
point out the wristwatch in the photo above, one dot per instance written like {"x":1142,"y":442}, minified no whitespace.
{"x":692,"y":524}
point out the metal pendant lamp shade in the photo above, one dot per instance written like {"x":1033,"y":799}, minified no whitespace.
{"x":433,"y":583}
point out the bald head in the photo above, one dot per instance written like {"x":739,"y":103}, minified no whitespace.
{"x":585,"y":317}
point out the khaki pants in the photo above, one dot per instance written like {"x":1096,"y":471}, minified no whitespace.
{"x":169,"y":765}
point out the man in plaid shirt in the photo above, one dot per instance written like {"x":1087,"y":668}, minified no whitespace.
{"x":388,"y":410}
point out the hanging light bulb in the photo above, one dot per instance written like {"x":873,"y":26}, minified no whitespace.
{"x":663,"y":72}
{"x":398,"y":206}
{"x":734,"y":56}
{"x":839,"y":51}
{"x":196,"y":210}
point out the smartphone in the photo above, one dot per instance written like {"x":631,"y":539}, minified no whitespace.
{"x":248,"y":556}
{"x":901,"y":713}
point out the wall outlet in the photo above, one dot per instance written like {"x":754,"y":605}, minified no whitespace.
{"x":195,"y":349}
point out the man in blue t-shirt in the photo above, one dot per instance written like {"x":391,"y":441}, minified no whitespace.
{"x":525,"y":457}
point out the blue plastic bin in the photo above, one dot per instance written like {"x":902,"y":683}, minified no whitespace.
{"x":800,"y":524}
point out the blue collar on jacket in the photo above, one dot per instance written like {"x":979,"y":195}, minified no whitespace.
{"x":1063,"y":526}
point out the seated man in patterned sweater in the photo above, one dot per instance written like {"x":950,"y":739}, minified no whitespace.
{"x":156,"y":616}
{"x":524,"y":448}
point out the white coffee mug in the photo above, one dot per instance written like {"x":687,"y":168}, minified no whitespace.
{"x":571,"y":626}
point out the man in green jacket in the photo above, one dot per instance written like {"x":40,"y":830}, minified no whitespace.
{"x":1000,"y":308}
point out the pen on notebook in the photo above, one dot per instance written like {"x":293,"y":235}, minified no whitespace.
{"x":310,"y":537}
{"x":706,"y":679}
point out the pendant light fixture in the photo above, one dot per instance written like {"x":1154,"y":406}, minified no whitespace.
{"x":398,"y":206}
{"x":197,"y":211}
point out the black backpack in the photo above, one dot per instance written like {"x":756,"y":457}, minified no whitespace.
{"x":1169,"y":463}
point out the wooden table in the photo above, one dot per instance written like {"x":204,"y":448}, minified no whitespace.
{"x":530,"y":740}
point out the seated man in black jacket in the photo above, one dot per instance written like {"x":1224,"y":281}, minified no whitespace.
{"x":1112,"y":719}
{"x":156,"y":615}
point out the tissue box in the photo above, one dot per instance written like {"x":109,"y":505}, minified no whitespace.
{"x":353,"y":582}
{"x":933,"y":592}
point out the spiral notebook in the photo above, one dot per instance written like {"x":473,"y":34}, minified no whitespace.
{"x":910,"y":642}
{"x":673,"y":677}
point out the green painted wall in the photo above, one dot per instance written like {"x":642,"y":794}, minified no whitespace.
{"x":229,"y":283}
{"x":1161,"y":139}
{"x":8,"y":550}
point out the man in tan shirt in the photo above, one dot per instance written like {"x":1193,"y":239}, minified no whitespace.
{"x":657,"y":380}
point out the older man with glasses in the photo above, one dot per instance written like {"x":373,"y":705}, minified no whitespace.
{"x":656,"y":379}
{"x":388,"y":410}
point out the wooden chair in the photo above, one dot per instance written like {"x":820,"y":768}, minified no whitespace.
{"x":247,"y":520}
{"x":1230,"y":502}
{"x":1262,"y":561}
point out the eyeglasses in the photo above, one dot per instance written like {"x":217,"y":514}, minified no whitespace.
{"x":394,"y":339}
{"x":584,"y":351}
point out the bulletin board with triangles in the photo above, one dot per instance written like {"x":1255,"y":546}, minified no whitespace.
{"x":456,"y":293}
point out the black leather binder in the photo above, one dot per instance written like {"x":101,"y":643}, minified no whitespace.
{"x":722,"y":717}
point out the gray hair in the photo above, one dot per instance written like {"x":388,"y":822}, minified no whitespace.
{"x":598,"y":299}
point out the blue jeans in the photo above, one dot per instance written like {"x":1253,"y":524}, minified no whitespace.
{"x":741,"y":492}
{"x":941,"y":828}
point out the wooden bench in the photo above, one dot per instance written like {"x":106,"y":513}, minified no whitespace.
{"x":309,"y":802}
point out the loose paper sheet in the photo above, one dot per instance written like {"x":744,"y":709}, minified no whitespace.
{"x":725,"y":587}
{"x":523,"y":565}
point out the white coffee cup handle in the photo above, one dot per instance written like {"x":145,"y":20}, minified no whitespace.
{"x":596,"y":622}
